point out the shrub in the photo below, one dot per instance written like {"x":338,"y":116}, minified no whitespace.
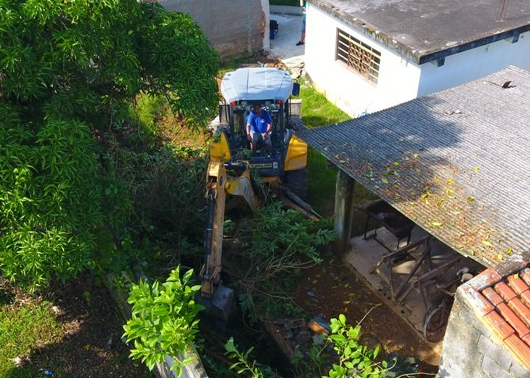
{"x":163,"y":320}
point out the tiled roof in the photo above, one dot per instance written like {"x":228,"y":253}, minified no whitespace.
{"x":501,"y":299}
{"x":426,"y":31}
{"x":455,"y":162}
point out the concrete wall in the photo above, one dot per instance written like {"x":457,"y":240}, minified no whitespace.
{"x":400,"y":80}
{"x":474,"y":64}
{"x":234,"y":27}
{"x":471,"y":350}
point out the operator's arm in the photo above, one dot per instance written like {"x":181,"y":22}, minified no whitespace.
{"x":248,"y":129}
{"x":249,"y":121}
{"x":268,"y":119}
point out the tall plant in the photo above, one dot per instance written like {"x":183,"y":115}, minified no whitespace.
{"x":163,"y":320}
{"x":355,"y":359}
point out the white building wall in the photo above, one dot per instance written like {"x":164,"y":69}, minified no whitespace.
{"x":398,"y":79}
{"x":474,"y":64}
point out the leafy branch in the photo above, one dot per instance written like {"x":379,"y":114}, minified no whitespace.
{"x":163,"y":320}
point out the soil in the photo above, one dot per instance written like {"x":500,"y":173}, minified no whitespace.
{"x":92,"y":325}
{"x":332,"y":288}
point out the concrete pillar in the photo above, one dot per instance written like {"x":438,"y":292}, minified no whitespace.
{"x":343,"y":210}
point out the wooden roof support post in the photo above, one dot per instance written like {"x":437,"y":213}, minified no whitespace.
{"x":343,"y":210}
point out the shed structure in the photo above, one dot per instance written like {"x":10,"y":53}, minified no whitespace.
{"x":369,"y":55}
{"x":456,"y":164}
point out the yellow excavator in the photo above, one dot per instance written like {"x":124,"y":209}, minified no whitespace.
{"x":229,"y":180}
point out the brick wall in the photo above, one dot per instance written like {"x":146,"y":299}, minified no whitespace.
{"x":234,"y":27}
{"x":471,"y":349}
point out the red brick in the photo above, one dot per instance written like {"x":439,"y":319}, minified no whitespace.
{"x":505,"y":292}
{"x":492,"y":296}
{"x":522,"y":311}
{"x":520,"y":349}
{"x":513,"y":320}
{"x":517,"y":284}
{"x":498,"y":325}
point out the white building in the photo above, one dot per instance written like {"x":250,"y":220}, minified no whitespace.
{"x":368,"y":55}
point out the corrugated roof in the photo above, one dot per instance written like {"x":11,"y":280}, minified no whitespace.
{"x":427,"y":30}
{"x":456,"y":162}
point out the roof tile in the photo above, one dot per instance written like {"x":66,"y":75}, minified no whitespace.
{"x":492,"y":296}
{"x":525,"y":276}
{"x":498,"y":325}
{"x":522,"y":311}
{"x":526,"y":339}
{"x":480,"y":304}
{"x":525,"y":297}
{"x":505,"y":292}
{"x":513,"y":320}
{"x":520,"y":349}
{"x":517,"y":284}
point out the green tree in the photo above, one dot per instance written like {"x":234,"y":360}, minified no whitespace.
{"x":69,"y":73}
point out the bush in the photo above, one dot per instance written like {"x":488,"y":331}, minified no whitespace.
{"x":163,"y":320}
{"x":270,"y":249}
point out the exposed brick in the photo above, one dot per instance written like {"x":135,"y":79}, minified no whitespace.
{"x":501,"y":355}
{"x":517,"y":370}
{"x":513,"y":320}
{"x":491,"y":368}
{"x":520,"y":349}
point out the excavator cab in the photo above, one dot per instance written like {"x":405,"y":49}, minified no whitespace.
{"x":272,"y":88}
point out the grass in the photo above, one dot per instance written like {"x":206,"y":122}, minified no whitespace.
{"x":24,"y":327}
{"x":317,"y":111}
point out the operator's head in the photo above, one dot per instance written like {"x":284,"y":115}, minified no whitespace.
{"x":257,"y":108}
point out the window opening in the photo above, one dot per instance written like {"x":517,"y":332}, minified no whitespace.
{"x":359,"y":56}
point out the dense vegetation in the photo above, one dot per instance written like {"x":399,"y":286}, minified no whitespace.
{"x":74,"y":154}
{"x":93,"y":95}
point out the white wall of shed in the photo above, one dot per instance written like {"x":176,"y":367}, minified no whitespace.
{"x":474,"y":64}
{"x":398,"y":78}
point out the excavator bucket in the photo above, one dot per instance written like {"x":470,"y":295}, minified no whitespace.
{"x":222,"y":304}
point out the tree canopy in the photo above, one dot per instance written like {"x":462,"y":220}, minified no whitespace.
{"x":69,"y":71}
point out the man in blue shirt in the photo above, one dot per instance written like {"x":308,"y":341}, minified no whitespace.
{"x":259,"y":127}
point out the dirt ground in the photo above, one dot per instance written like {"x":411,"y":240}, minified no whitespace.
{"x":92,"y":326}
{"x":332,"y":288}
